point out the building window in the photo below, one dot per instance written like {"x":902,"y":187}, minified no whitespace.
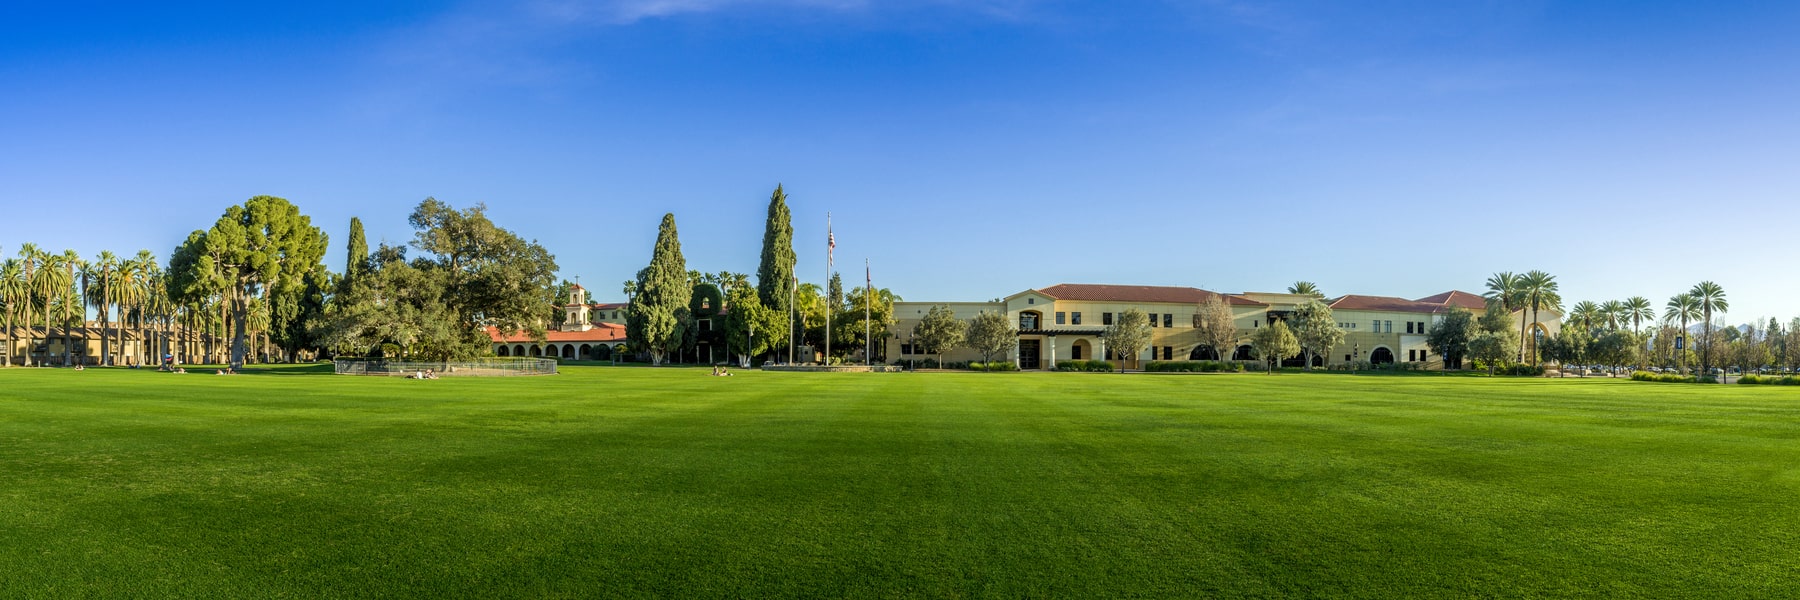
{"x":1421,"y":329}
{"x":1389,"y":328}
{"x":1152,"y":319}
{"x":1168,"y":321}
{"x":906,"y":348}
{"x":1028,"y":321}
{"x":1409,"y":326}
{"x":1168,"y":352}
{"x":1377,"y":328}
{"x":1255,"y":323}
{"x":706,"y":324}
{"x":1105,"y":318}
{"x":1059,"y":318}
{"x":1075,"y":317}
{"x":1411,"y":355}
{"x":1075,"y":352}
{"x":1031,"y":300}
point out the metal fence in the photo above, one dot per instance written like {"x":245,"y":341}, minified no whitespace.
{"x":478,"y":367}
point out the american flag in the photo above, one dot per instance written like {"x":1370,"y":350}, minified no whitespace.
{"x":830,"y":242}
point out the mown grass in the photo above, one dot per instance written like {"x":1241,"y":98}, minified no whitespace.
{"x":667,"y":482}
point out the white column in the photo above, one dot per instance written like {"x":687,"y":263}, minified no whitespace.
{"x":1052,"y":364}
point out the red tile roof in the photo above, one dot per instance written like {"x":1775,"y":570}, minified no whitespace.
{"x":1383,"y":303}
{"x":1138,"y":293}
{"x":1457,"y":298}
{"x":602,"y":332}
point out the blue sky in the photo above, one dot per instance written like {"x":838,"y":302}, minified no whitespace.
{"x":968,"y":149}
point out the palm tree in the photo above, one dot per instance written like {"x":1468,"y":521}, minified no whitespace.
{"x":1306,"y":288}
{"x":29,"y":254}
{"x":142,"y":285}
{"x":103,"y":271}
{"x":1540,"y":294}
{"x":1504,"y":291}
{"x":1585,"y":312}
{"x":13,"y":294}
{"x":1683,"y":308}
{"x":51,"y":280}
{"x":1614,"y":313}
{"x":72,"y":302}
{"x":1711,"y":298}
{"x":1638,"y":309}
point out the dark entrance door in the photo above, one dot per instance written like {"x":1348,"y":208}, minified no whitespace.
{"x":1028,"y":353}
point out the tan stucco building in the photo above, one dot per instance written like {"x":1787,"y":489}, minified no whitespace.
{"x":1065,"y":322}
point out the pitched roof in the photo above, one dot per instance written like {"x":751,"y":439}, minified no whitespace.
{"x":601,"y":332}
{"x":1137,"y":293}
{"x":1383,"y":303}
{"x":1457,"y":298}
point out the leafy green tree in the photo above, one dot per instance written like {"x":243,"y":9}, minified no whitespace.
{"x":856,"y":324}
{"x":775,"y":273}
{"x":992,"y":335}
{"x":1306,"y":288}
{"x":1611,"y":348}
{"x":490,"y":277}
{"x":1587,"y":314}
{"x":1316,"y":329}
{"x":357,"y":252}
{"x":750,"y":328}
{"x":264,"y":246}
{"x":1493,"y":320}
{"x":1215,"y":327}
{"x":1274,"y":344}
{"x":660,"y":313}
{"x":1128,"y":335}
{"x":1450,"y":336}
{"x":1490,"y":348}
{"x":1711,"y":298}
{"x":1564,"y":348}
{"x":940,"y":331}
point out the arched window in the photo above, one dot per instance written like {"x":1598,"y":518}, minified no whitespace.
{"x":1381,"y":356}
{"x":1243,"y":352}
{"x":1203,"y":353}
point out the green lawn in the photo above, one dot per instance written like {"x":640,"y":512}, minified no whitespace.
{"x":666,"y":482}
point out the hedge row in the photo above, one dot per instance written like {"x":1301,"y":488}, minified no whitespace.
{"x":1091,"y":366}
{"x":1673,"y":378}
{"x":1193,"y":366}
{"x":998,"y":365}
{"x":1761,"y":380}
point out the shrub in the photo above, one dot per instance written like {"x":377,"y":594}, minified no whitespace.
{"x":1184,"y":366}
{"x":1789,"y":380}
{"x":1752,"y":379}
{"x":1708,"y":379}
{"x":1525,"y":370}
{"x":998,"y":365}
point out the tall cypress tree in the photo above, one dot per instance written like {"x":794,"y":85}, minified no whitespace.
{"x":775,"y":276}
{"x":659,"y":312}
{"x":358,"y":249}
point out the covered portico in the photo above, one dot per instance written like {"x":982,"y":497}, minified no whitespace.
{"x":1041,"y":348}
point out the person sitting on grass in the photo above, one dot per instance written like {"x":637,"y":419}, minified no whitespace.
{"x":78,"y":367}
{"x":219,"y":372}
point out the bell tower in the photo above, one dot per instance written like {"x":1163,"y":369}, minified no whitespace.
{"x":576,"y":312}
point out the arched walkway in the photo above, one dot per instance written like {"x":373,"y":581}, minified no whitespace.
{"x":586,"y":352}
{"x":518,"y":350}
{"x":1381,"y":356}
{"x":1243,"y":352}
{"x":568,"y":351}
{"x":536,"y":351}
{"x":502,"y":350}
{"x":602,"y":352}
{"x":1081,"y":350}
{"x":1203,"y":353}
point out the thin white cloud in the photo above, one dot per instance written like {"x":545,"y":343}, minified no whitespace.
{"x":624,"y":12}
